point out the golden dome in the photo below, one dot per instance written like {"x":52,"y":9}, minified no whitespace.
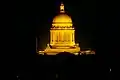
{"x":62,"y":20}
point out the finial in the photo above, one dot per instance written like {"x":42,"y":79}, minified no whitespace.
{"x":62,"y":8}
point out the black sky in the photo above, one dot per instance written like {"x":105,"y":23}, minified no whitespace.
{"x":96,"y":22}
{"x":83,"y":15}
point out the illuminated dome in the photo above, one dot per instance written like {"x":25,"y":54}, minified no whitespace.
{"x":62,"y":20}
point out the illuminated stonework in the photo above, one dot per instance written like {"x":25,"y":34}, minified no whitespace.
{"x":62,"y":35}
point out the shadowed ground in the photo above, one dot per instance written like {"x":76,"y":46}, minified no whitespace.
{"x":65,"y":66}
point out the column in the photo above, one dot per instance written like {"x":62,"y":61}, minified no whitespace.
{"x":73,"y":36}
{"x":69,"y":37}
{"x":57,"y":36}
{"x":51,"y":36}
{"x":54,"y":36}
{"x":64,"y":37}
{"x":61,"y":36}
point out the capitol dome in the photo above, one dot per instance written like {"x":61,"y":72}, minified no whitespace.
{"x":62,"y":20}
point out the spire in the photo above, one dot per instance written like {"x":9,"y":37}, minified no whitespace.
{"x":62,"y":8}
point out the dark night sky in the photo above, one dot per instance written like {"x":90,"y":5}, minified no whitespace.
{"x":96,"y":23}
{"x":83,"y":15}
